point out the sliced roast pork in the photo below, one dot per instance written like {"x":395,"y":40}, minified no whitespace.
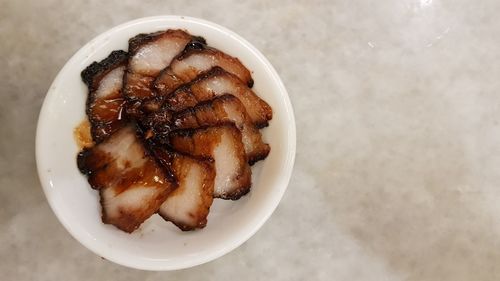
{"x":215,"y":83}
{"x":105,"y":100}
{"x":194,"y":60}
{"x":149,"y":54}
{"x":131,"y":183}
{"x":188,"y":205}
{"x":223,"y":109}
{"x":223,"y":144}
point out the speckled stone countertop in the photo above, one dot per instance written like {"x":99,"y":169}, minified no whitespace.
{"x":397,"y":175}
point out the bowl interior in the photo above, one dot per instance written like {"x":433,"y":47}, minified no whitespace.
{"x":159,"y":245}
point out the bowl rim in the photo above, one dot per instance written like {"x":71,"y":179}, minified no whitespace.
{"x":238,"y":240}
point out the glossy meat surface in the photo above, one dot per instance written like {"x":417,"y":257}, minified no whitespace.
{"x":223,"y":109}
{"x":149,"y":54}
{"x":197,"y":59}
{"x":223,"y":144}
{"x":215,"y":83}
{"x":132,"y":184}
{"x":188,"y":205}
{"x":105,"y":101}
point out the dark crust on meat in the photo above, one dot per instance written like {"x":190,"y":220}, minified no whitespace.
{"x":163,"y":154}
{"x":181,"y":226}
{"x":195,"y":47}
{"x":250,"y":83}
{"x":235,"y":195}
{"x":254,"y":157}
{"x":191,"y":132}
{"x":206,"y":103}
{"x":214,"y":71}
{"x":166,"y":88}
{"x":259,"y":156}
{"x":150,"y":150}
{"x":86,"y":168}
{"x":92,"y":74}
{"x":185,"y":92}
{"x":141,"y":109}
{"x":197,"y":43}
{"x":154,"y":136}
{"x":158,"y":125}
{"x":136,"y":42}
{"x":127,"y":221}
{"x":81,"y":161}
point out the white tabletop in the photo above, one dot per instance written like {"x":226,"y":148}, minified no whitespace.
{"x":397,"y":103}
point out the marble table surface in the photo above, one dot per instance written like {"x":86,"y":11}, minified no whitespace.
{"x":397,"y":175}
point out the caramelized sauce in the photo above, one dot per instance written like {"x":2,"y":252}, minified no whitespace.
{"x":82,"y":135}
{"x":107,"y":110}
{"x":149,"y":175}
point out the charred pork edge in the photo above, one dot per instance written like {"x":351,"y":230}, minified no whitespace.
{"x":237,"y":194}
{"x":96,"y":69}
{"x":224,"y":97}
{"x":139,"y":40}
{"x":190,"y":132}
{"x":143,"y":38}
{"x":195,"y":46}
{"x":148,"y":148}
{"x":214,"y":71}
{"x":203,"y":104}
{"x":80,"y":161}
{"x":259,"y":156}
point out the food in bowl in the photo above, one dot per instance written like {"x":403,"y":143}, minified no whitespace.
{"x":174,"y":124}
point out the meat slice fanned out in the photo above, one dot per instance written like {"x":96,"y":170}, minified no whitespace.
{"x":194,"y":60}
{"x":223,"y":144}
{"x":223,"y":109}
{"x":131,"y":183}
{"x":174,"y":124}
{"x":149,"y":54}
{"x":215,"y":83}
{"x":188,"y":205}
{"x":105,"y":101}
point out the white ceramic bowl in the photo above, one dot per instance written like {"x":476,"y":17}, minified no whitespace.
{"x":157,"y":244}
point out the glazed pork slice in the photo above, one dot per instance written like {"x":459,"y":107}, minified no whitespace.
{"x":223,"y":144}
{"x":215,"y":83}
{"x":223,"y":109}
{"x":105,"y":101}
{"x":188,"y":205}
{"x":132,"y":184}
{"x":194,"y":60}
{"x":149,"y":54}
